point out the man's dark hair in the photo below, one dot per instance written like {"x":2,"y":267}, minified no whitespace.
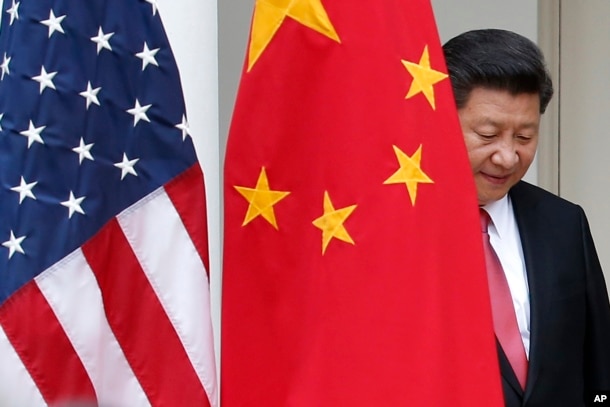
{"x":496,"y":59}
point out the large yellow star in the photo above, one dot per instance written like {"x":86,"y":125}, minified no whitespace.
{"x":424,"y":77}
{"x":261,"y":200}
{"x":270,"y":14}
{"x":331,"y":223}
{"x":409,"y":173}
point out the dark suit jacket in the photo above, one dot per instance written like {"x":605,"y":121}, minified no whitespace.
{"x":570,"y":313}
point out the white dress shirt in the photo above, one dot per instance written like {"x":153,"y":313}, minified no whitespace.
{"x":505,"y":239}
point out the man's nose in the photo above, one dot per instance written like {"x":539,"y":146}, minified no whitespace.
{"x":505,"y":155}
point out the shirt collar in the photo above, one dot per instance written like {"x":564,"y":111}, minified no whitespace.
{"x":500,"y":213}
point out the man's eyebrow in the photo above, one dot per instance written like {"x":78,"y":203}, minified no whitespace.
{"x":488,"y":121}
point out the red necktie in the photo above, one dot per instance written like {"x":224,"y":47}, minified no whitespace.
{"x":503,"y":311}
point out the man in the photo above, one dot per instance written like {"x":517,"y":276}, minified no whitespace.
{"x":543,"y":243}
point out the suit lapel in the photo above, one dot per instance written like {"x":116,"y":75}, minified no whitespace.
{"x":508,"y":374}
{"x":538,"y":261}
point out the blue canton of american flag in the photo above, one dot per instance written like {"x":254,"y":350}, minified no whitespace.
{"x":104,"y":292}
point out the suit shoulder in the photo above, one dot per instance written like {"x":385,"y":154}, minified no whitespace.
{"x":528,"y":194}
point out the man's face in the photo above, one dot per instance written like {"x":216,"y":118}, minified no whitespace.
{"x":501,"y":135}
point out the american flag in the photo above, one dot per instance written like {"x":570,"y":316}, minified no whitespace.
{"x":104,"y":290}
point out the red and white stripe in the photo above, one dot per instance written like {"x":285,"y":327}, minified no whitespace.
{"x":123,"y":321}
{"x":17,"y":388}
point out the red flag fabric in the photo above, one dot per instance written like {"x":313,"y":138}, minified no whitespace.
{"x":353,"y":265}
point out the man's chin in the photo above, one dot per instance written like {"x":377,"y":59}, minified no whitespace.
{"x":486,"y":197}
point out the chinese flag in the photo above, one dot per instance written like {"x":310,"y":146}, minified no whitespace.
{"x":353,"y":264}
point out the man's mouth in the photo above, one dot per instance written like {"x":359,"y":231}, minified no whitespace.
{"x":496,"y":179}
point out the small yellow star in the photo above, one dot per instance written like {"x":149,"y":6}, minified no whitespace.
{"x":331,"y":223}
{"x":424,"y":77}
{"x":261,"y":200}
{"x":270,"y":14}
{"x":409,"y":173}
